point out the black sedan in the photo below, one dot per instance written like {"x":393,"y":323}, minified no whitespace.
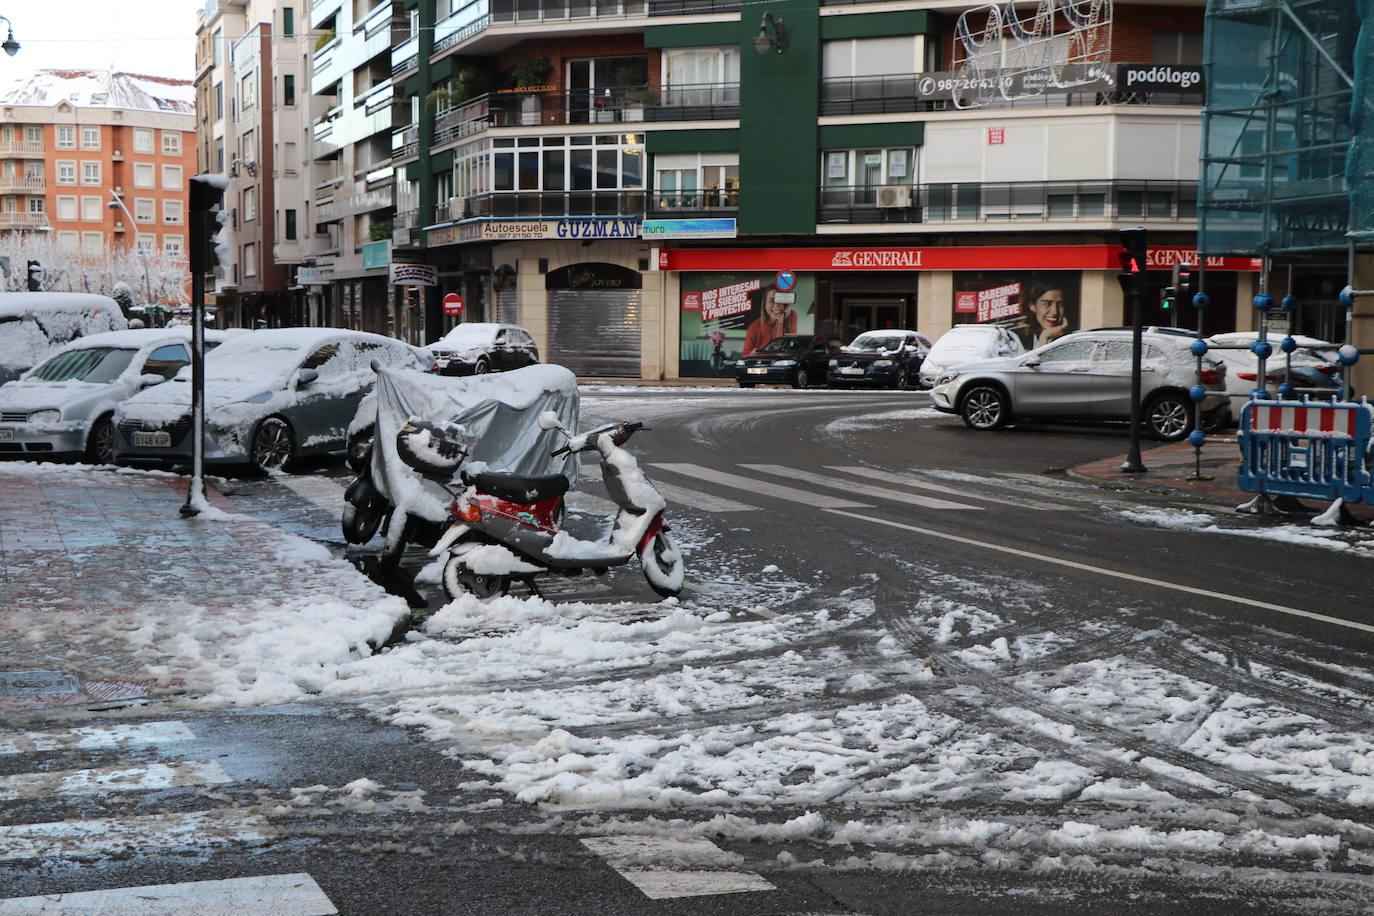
{"x":879,"y":359}
{"x":798,"y":360}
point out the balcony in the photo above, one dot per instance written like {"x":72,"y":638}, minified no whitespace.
{"x":1012,"y":202}
{"x":695,"y":203}
{"x":479,"y":15}
{"x":20,"y":220}
{"x":377,"y":98}
{"x":405,"y":57}
{"x":405,"y":144}
{"x":513,"y":204}
{"x":21,"y":147}
{"x":23,"y":184}
{"x":698,"y":7}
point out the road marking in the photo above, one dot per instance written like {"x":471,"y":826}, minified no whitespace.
{"x":324,"y":492}
{"x":806,"y":497}
{"x":136,"y":835}
{"x":95,"y":738}
{"x":912,"y":481}
{"x":280,"y":895}
{"x":664,"y":868}
{"x":862,"y":489}
{"x":681,"y":496}
{"x":1112,"y":573}
{"x":113,"y":779}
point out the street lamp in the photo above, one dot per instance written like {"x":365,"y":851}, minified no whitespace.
{"x":10,"y":45}
{"x":117,"y":204}
{"x":770,"y":36}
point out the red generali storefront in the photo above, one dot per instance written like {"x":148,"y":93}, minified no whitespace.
{"x":725,"y":295}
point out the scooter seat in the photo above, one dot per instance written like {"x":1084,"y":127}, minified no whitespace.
{"x":517,"y":488}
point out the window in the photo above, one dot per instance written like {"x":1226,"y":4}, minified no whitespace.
{"x":289,"y":158}
{"x":92,"y":242}
{"x":171,"y":178}
{"x":288,"y":22}
{"x":1170,"y":47}
{"x":66,"y":171}
{"x":250,"y":260}
{"x":860,"y":57}
{"x":851,"y":177}
{"x":219,"y":154}
{"x":145,"y":209}
{"x":145,"y":243}
{"x":288,"y":89}
{"x":165,"y":361}
{"x":66,"y":208}
{"x":90,"y":173}
{"x":91,"y":208}
{"x":219,"y":100}
{"x":172,"y":212}
{"x":290,"y":227}
{"x":33,"y":134}
{"x":1068,"y":352}
{"x":246,"y":92}
{"x":143,"y":141}
{"x":700,"y":76}
{"x":35,"y":205}
{"x":171,"y":143}
{"x":66,"y":136}
{"x":697,"y":180}
{"x":215,"y":41}
{"x":564,"y":163}
{"x":69,"y":240}
{"x":250,"y":204}
{"x":144,"y":175}
{"x":90,"y":138}
{"x":173,"y":245}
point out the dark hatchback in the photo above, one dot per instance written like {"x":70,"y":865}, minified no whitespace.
{"x":879,"y":359}
{"x":798,"y":360}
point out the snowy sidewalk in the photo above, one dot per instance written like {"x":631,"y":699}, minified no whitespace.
{"x":106,"y":592}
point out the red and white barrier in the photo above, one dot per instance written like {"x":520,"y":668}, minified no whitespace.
{"x":1309,"y":420}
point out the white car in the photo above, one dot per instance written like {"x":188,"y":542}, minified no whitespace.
{"x":1313,"y":366}
{"x":34,"y":325}
{"x":967,"y":343}
{"x":63,"y":407}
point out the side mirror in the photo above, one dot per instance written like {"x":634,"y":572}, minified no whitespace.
{"x":306,"y":376}
{"x":149,"y":379}
{"x":1031,"y":363}
{"x":549,"y":420}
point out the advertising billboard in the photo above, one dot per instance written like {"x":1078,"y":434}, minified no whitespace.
{"x":726,"y":315}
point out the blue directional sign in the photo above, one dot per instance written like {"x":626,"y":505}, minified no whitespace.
{"x":785,"y":281}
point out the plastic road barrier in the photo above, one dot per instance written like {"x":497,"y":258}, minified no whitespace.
{"x":1313,"y":449}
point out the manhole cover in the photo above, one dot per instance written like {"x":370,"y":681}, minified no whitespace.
{"x":37,"y":684}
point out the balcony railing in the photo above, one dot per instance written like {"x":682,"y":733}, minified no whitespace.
{"x":405,"y":143}
{"x":511,"y":204}
{"x":22,"y":220}
{"x":23,"y":184}
{"x":376,"y":98}
{"x":405,"y":56}
{"x":1014,"y":202}
{"x":21,"y":147}
{"x":703,"y":202}
{"x":507,"y":12}
{"x":695,"y":7}
{"x":461,"y":24}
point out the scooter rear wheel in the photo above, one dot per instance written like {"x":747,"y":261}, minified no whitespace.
{"x":360,"y":522}
{"x":663,"y":566}
{"x":459,"y":580}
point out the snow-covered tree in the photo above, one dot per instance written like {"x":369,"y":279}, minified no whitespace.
{"x":66,"y":269}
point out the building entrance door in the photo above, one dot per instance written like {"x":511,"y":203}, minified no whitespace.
{"x":859,"y":315}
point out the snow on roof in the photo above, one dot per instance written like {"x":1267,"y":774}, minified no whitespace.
{"x":103,"y":89}
{"x":20,"y":304}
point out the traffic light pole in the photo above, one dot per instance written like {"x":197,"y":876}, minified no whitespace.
{"x":1134,"y":261}
{"x":206,"y":192}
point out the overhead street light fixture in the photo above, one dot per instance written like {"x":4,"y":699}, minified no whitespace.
{"x":10,"y":45}
{"x":770,"y":36}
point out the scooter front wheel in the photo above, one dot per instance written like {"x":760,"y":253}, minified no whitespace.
{"x":459,"y":580}
{"x":361,"y":521}
{"x":662,"y":563}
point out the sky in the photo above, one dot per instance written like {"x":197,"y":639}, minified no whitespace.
{"x":153,"y":37}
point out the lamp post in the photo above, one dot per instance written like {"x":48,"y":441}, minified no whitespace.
{"x":117,"y":204}
{"x":10,"y":46}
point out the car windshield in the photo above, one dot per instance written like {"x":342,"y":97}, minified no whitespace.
{"x":786,"y":345}
{"x":962,"y":344}
{"x":470,"y":335}
{"x":876,"y":341}
{"x":91,"y":364}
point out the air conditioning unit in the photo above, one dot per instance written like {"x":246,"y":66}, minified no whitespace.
{"x":894,"y":195}
{"x":455,"y":208}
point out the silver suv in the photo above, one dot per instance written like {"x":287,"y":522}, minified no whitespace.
{"x":1087,"y":376}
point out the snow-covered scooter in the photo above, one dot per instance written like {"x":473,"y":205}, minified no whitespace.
{"x":509,"y":527}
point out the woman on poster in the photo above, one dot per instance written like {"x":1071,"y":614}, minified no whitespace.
{"x":1046,"y":316}
{"x":775,"y":319}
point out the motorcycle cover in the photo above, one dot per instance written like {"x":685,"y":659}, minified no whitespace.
{"x":499,"y":411}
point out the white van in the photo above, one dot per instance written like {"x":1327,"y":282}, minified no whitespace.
{"x":967,"y":343}
{"x":33,"y":325}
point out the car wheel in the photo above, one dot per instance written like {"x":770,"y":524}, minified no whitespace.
{"x":984,"y":407}
{"x":273,"y":445}
{"x":482,"y":367}
{"x":901,"y":382}
{"x":100,"y":442}
{"x":802,"y":379}
{"x":1169,"y":417}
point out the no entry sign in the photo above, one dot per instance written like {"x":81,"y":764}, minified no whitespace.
{"x":453,"y":304}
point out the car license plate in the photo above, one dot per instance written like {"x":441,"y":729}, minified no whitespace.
{"x":761,"y":370}
{"x":6,"y":434}
{"x":851,"y":370}
{"x":153,"y":440}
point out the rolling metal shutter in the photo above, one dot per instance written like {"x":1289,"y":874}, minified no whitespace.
{"x":507,"y":306}
{"x":596,"y":332}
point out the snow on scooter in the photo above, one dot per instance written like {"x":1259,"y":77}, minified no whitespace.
{"x":509,"y":527}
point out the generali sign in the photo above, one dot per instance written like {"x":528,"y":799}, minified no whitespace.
{"x":1027,"y":257}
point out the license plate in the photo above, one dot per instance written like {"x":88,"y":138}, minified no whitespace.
{"x":851,"y":370}
{"x":6,"y":434}
{"x":762,"y":370}
{"x":153,"y":440}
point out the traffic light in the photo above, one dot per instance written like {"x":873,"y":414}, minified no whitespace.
{"x":1135,"y":256}
{"x":1166,"y":297}
{"x":1185,"y":278}
{"x":35,"y":276}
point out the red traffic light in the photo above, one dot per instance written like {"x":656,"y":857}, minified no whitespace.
{"x":1135,"y":258}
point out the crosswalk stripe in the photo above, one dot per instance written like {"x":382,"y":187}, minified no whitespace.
{"x":96,"y":737}
{"x":325,"y":492}
{"x":113,"y":779}
{"x":280,"y":895}
{"x":682,"y":496}
{"x":912,"y":481}
{"x":1036,"y":485}
{"x":699,"y":867}
{"x":806,"y":497}
{"x":821,"y":480}
{"x":108,"y":836}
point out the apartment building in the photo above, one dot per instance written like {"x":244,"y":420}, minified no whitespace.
{"x":628,"y":178}
{"x":83,"y":151}
{"x":221,"y":23}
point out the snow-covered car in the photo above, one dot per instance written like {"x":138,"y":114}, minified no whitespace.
{"x":1086,"y":375}
{"x":478,"y":347}
{"x":270,"y":396}
{"x":64,"y":407}
{"x":967,"y":343}
{"x":879,"y":359}
{"x":1314,"y":368}
{"x":33,"y":325}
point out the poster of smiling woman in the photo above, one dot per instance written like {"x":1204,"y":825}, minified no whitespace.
{"x":1038,"y":306}
{"x":728,"y":315}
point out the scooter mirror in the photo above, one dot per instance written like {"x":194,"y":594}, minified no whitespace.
{"x":549,"y":420}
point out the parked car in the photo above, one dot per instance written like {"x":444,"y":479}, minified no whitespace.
{"x":1087,"y":376}
{"x":1314,"y":367}
{"x":64,"y":407}
{"x":879,"y":359}
{"x":33,"y":325}
{"x":270,"y":396}
{"x":798,"y":360}
{"x":967,"y":343}
{"x":478,"y":347}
